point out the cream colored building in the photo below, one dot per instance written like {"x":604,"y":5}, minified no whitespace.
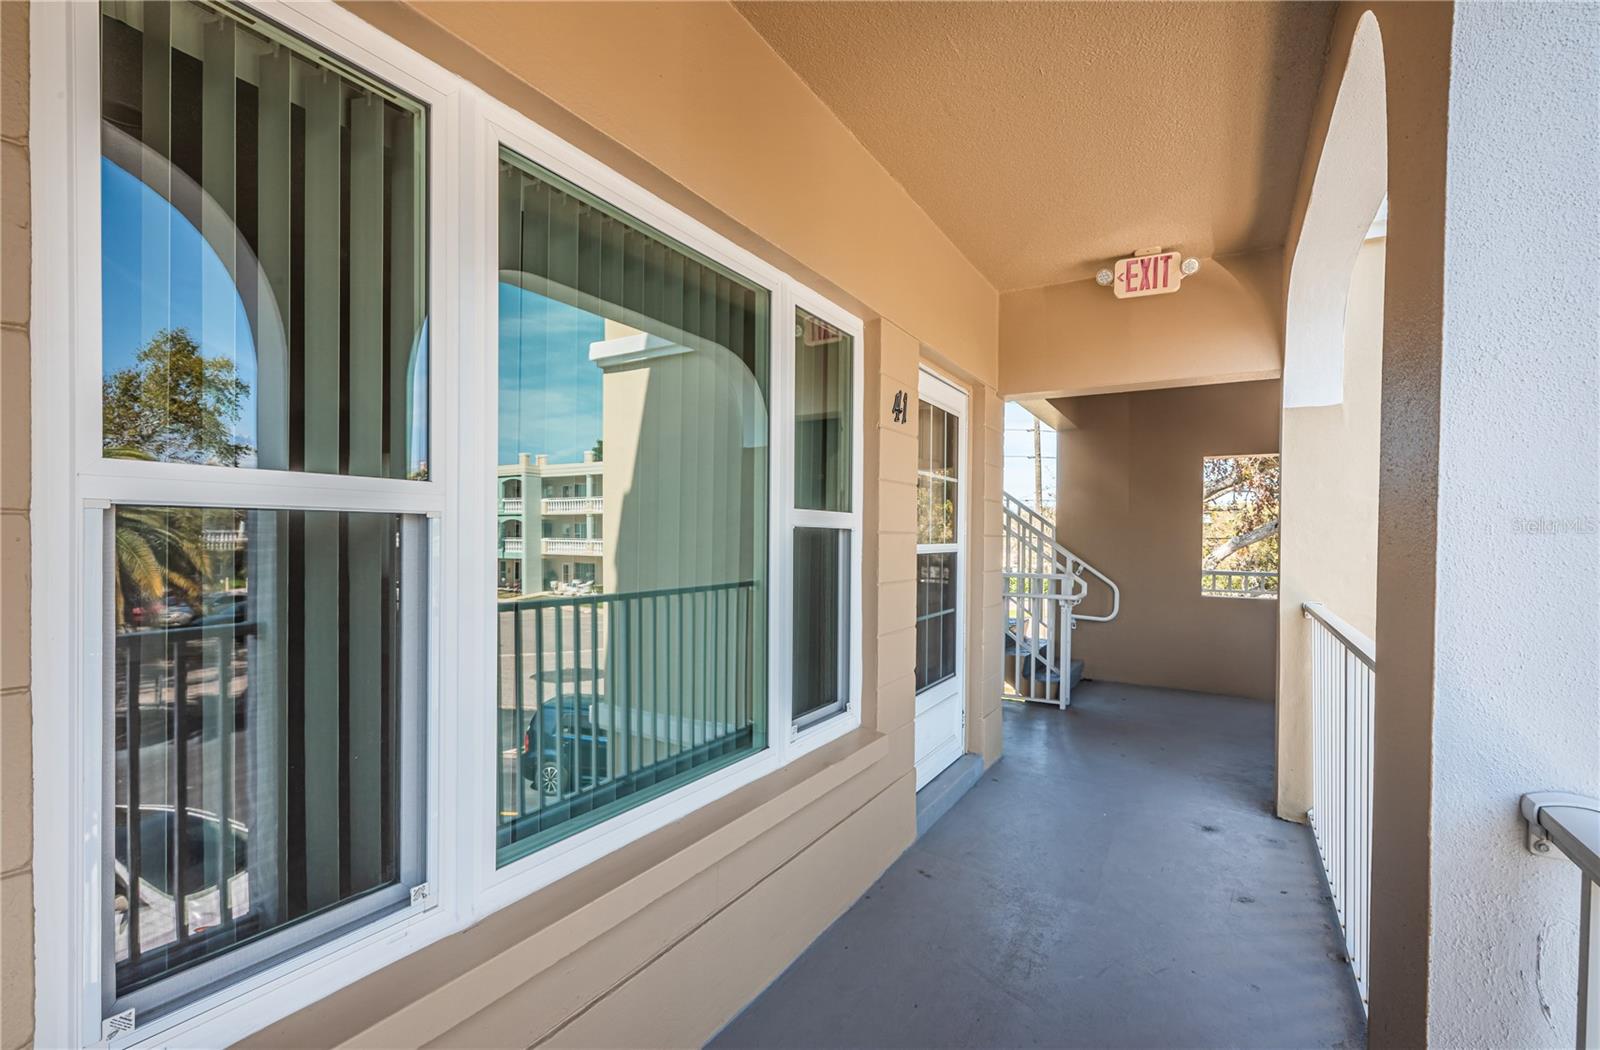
{"x":1429,"y":385}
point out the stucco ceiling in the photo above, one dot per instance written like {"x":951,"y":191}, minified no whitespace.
{"x":1048,"y":138}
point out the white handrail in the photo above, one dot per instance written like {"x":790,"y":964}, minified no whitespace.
{"x":1569,"y":825}
{"x":1044,"y":586}
{"x":1343,"y":687}
{"x":1040,"y":527}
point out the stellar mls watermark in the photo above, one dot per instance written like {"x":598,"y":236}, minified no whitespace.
{"x":1554,"y":526}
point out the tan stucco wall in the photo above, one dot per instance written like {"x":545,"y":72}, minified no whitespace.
{"x":1223,"y":325}
{"x":16,"y":743}
{"x":1129,"y":502}
{"x":1329,"y":543}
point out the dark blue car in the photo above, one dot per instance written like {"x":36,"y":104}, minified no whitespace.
{"x":563,"y":752}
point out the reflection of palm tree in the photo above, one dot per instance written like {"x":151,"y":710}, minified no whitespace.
{"x":160,"y":555}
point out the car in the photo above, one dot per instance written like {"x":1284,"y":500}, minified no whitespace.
{"x":579,"y":762}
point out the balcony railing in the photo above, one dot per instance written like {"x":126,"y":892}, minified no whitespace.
{"x":182,"y":879}
{"x":1238,"y":583}
{"x":573,"y":546}
{"x":511,"y":545}
{"x":1343,"y":676}
{"x":604,"y":696}
{"x":573,"y":505}
{"x":511,"y":506}
{"x":1561,"y":824}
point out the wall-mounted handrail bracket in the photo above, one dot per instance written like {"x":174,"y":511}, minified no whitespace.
{"x":1562,"y":823}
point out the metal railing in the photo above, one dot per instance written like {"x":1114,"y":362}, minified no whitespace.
{"x":1044,"y":587}
{"x":1238,"y":583}
{"x":1343,"y":678}
{"x":573,"y":505}
{"x":1569,"y":825}
{"x":572,"y":546}
{"x":604,"y":696}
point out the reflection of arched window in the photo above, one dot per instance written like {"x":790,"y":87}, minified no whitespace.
{"x":513,"y":490}
{"x":513,"y":530}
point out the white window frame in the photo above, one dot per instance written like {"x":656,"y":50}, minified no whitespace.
{"x":829,"y":727}
{"x":74,"y":486}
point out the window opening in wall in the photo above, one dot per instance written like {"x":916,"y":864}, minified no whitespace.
{"x":1239,"y":526}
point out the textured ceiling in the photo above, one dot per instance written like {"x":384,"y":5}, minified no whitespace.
{"x":1048,"y":138}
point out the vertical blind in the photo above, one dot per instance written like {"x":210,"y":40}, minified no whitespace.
{"x":263,"y":243}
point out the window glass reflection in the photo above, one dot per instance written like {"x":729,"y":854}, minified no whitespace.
{"x":262,"y":251}
{"x":631,"y":501}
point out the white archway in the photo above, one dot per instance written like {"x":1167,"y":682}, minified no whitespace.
{"x":1350,"y":185}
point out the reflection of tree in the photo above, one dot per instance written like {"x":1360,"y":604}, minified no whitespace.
{"x":599,"y":450}
{"x":174,"y":404}
{"x":1241,"y":501}
{"x":160,"y":557}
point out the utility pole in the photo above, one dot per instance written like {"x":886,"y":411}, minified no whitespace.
{"x":1038,"y":473}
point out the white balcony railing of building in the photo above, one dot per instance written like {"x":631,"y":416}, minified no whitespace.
{"x":573,"y":505}
{"x":511,"y":545}
{"x":573,"y":546}
{"x":1562,"y":824}
{"x":1343,"y":676}
{"x":1238,"y":583}
{"x":512,"y":505}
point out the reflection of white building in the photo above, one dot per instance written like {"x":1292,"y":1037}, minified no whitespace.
{"x":550,"y":516}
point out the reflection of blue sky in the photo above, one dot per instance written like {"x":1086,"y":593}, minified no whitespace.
{"x":550,"y":396}
{"x":193,"y":290}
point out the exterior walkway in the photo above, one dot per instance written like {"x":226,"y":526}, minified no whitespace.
{"x":1116,"y":880}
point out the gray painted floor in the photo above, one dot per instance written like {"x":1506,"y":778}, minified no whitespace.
{"x":1117,"y":880}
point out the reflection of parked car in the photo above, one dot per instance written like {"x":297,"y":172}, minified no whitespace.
{"x":224,"y":608}
{"x":198,"y":850}
{"x":580,"y":762}
{"x":173,"y":614}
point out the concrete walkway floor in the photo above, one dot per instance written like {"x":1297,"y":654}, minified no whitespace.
{"x":1116,"y":880}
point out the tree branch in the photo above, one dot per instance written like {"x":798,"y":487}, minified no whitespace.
{"x":1240,"y":542}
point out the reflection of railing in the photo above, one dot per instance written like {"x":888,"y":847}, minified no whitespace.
{"x":574,"y":505}
{"x":1238,"y":583}
{"x":223,"y":539}
{"x":511,"y":545}
{"x":513,"y":505}
{"x":183,"y":900}
{"x":1343,"y":678}
{"x":604,"y":696}
{"x":572,"y":546}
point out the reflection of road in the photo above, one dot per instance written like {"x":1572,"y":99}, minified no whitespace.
{"x":585,"y":634}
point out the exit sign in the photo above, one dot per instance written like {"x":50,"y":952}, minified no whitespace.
{"x":1154,"y":274}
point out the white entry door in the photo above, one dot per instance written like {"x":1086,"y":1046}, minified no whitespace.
{"x":941,"y":563}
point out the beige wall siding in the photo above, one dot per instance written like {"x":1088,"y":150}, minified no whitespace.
{"x":1129,"y":503}
{"x":1330,"y":521}
{"x":16,"y":734}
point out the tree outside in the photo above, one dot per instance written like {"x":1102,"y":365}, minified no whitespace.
{"x":174,"y":405}
{"x":1239,"y":524}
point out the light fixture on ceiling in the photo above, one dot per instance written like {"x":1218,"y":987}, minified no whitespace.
{"x":1190,"y":265}
{"x":1103,"y":278}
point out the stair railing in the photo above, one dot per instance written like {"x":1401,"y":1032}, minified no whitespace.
{"x":1044,"y":587}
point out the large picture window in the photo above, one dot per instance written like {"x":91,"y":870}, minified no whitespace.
{"x":262,"y":310}
{"x":633,"y":393}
